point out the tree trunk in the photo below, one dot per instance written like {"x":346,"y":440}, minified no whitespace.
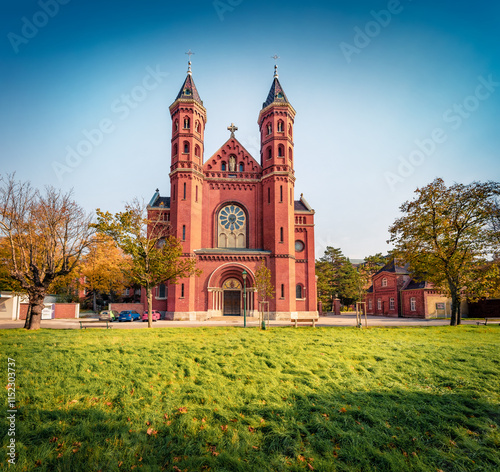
{"x":149,"y":296}
{"x":455,"y":309}
{"x":94,"y":301}
{"x":36,"y":307}
{"x":27,"y":322}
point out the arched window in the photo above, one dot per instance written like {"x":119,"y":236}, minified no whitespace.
{"x":186,"y":147}
{"x":269,"y":153}
{"x":197,"y":151}
{"x":384,"y":282}
{"x":269,"y":128}
{"x":223,"y":165}
{"x":184,"y":193}
{"x":299,"y":293}
{"x":281,"y":193}
{"x":161,"y":291}
{"x":242,"y":167}
{"x":232,"y":227}
{"x":187,"y":123}
{"x":280,"y":126}
{"x":281,"y":151}
{"x":290,"y":129}
{"x":176,"y":125}
{"x":197,"y":127}
{"x":183,"y":232}
{"x":290,"y":154}
{"x":175,"y":151}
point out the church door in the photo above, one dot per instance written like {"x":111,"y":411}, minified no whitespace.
{"x":232,"y":302}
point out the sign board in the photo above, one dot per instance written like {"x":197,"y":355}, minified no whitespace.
{"x":440,"y":306}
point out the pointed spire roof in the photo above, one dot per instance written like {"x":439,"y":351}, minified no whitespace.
{"x":276,"y":94}
{"x":188,"y":90}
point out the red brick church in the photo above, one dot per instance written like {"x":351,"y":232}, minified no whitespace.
{"x":232,"y":211}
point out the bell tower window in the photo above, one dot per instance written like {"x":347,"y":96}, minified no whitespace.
{"x":187,"y":123}
{"x":281,"y":151}
{"x":280,"y":126}
{"x":186,"y":147}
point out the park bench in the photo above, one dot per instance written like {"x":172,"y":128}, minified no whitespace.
{"x":304,"y":320}
{"x":485,"y":322}
{"x":94,"y":324}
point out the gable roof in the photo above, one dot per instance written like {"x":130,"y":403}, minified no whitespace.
{"x":232,"y":146}
{"x":395,"y":267}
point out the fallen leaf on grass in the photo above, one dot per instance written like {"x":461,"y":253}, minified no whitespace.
{"x":252,"y":430}
{"x":223,"y":427}
{"x":151,"y":431}
{"x":342,"y":410}
{"x":54,"y":439}
{"x":310,"y":466}
{"x":183,"y":410}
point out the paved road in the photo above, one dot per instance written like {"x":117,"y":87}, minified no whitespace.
{"x":330,"y":320}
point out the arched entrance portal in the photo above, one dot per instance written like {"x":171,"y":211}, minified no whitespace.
{"x":232,"y":297}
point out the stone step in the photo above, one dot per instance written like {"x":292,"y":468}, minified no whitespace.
{"x":233,"y":319}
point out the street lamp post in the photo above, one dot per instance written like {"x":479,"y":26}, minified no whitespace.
{"x":244,"y":274}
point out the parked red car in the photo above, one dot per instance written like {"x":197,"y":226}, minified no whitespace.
{"x":156,"y":315}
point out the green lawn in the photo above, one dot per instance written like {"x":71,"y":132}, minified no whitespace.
{"x":230,"y":399}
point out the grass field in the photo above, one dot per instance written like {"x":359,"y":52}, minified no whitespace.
{"x":233,"y":399}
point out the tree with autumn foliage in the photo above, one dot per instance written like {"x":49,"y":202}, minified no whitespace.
{"x":155,"y":254}
{"x":447,"y":236}
{"x":103,"y":269}
{"x":264,"y":287}
{"x":46,"y":232}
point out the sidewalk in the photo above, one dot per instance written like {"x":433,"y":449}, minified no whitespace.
{"x":348,"y":319}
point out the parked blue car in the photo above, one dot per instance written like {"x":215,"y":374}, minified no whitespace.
{"x":129,"y":315}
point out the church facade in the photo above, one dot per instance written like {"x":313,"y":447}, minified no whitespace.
{"x":234,"y":212}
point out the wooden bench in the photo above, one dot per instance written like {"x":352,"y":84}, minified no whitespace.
{"x":305,"y":320}
{"x":485,"y":322}
{"x":94,"y":324}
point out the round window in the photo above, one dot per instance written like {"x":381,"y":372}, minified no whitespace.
{"x":299,"y":246}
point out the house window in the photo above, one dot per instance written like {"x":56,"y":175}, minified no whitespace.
{"x":370,"y":304}
{"x":127,"y":292}
{"x":379,"y":304}
{"x":391,"y":304}
{"x":183,"y":232}
{"x":299,"y":292}
{"x":282,"y":290}
{"x":182,"y":290}
{"x":413,"y":304}
{"x":384,"y":282}
{"x":242,"y":167}
{"x":161,"y":291}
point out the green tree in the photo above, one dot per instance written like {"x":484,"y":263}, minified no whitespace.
{"x":155,"y":255}
{"x":446,"y":236}
{"x":336,"y":278}
{"x":46,"y":232}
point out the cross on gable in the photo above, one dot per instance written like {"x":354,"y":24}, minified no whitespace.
{"x":232,"y":128}
{"x":189,"y":53}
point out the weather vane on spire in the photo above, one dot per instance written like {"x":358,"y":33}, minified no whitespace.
{"x":189,"y":53}
{"x":275,"y":57}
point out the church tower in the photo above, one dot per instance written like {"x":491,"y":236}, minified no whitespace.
{"x":276,"y":121}
{"x":189,"y":118}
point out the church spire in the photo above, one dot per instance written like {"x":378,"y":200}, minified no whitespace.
{"x":188,"y":90}
{"x":276,"y":94}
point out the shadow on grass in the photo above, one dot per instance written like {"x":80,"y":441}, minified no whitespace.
{"x":322,"y":431}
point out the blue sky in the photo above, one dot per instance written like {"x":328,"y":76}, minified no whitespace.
{"x":389,"y":95}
